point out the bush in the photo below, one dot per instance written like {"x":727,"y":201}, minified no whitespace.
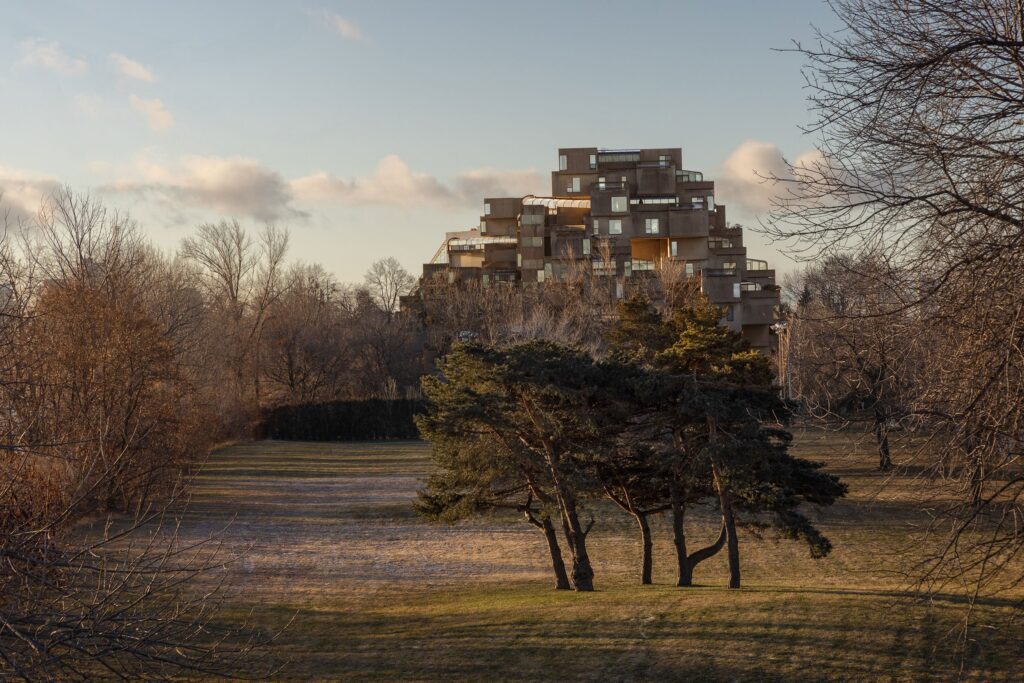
{"x":364,"y":420}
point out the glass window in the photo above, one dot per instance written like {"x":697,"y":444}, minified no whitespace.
{"x":614,"y":226}
{"x":575,"y":184}
{"x":689,"y":269}
{"x":593,"y":161}
{"x":619,"y":205}
{"x":675,"y":249}
{"x":728,"y":313}
{"x":597,"y":225}
{"x":651,"y":226}
{"x":483,"y":226}
{"x":729,"y":265}
{"x":735,"y":291}
{"x":586,"y":247}
{"x":487,"y":209}
{"x":540,"y":276}
{"x":563,"y":163}
{"x":711,"y":203}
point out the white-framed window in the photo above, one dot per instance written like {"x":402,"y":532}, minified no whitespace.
{"x":575,"y":184}
{"x":620,"y":204}
{"x":563,"y":162}
{"x":736,"y":289}
{"x":614,"y":226}
{"x":597,"y":225}
{"x":651,"y":226}
{"x":675,"y":248}
{"x":688,"y":268}
{"x":487,"y":209}
{"x":593,"y":161}
{"x":586,"y":247}
{"x":711,"y":203}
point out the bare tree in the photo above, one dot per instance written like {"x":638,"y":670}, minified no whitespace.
{"x":917,"y":108}
{"x":387,"y":281}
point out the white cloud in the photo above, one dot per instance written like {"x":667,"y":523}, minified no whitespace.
{"x":22,"y":192}
{"x":228,"y":186}
{"x":393,"y":183}
{"x":156,"y":114}
{"x":346,"y":28}
{"x":48,"y":55}
{"x":129,"y":68}
{"x":744,"y":181}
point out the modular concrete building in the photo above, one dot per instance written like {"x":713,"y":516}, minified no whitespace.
{"x":623,"y":213}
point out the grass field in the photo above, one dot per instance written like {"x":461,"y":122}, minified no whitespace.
{"x":376,"y":593}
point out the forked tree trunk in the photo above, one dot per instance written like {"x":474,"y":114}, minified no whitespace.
{"x":582,"y":574}
{"x":684,"y":571}
{"x":729,"y":521}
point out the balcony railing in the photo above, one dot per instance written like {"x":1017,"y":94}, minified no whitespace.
{"x":719,"y":272}
{"x":609,"y":185}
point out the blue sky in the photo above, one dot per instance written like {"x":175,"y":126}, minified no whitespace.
{"x":371,"y":128}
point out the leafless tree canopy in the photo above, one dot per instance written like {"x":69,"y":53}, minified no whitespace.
{"x":917,"y":108}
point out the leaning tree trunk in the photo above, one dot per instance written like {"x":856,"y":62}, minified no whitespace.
{"x":646,"y":562}
{"x":582,"y":572}
{"x":545,"y":525}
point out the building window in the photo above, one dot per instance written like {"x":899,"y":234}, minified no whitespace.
{"x":586,"y":247}
{"x":563,"y":163}
{"x":711,"y":203}
{"x":519,"y":260}
{"x":688,"y":269}
{"x":697,"y":202}
{"x":618,"y":290}
{"x":675,"y":248}
{"x":729,"y":265}
{"x":540,"y":276}
{"x":575,"y":185}
{"x":663,"y":160}
{"x":729,"y":313}
{"x":593,"y":161}
{"x":483,"y":226}
{"x":614,"y":226}
{"x":487,"y":209}
{"x":620,"y":205}
{"x":597,"y":225}
{"x":736,"y":289}
{"x":651,"y":226}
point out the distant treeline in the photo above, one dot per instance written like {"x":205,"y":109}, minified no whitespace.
{"x":342,"y":420}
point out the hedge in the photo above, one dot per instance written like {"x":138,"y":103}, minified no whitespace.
{"x":342,"y":421}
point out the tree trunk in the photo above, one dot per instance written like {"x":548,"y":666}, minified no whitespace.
{"x":582,"y":572}
{"x":729,"y":520}
{"x":684,"y":571}
{"x":882,"y":436}
{"x":646,"y":562}
{"x":561,"y":579}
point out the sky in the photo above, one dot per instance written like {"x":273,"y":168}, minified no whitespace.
{"x":368,"y":129}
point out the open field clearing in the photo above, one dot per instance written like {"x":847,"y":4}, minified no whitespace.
{"x":379,"y":594}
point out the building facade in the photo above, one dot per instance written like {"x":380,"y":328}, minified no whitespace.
{"x":622,"y":214}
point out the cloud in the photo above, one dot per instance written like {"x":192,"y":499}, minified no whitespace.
{"x":346,"y":28}
{"x":228,"y":186}
{"x":48,"y":55}
{"x":129,"y":68}
{"x":22,"y":192}
{"x":393,"y":183}
{"x":742,"y":179}
{"x":156,"y":114}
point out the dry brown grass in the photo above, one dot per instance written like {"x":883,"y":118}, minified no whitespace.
{"x":378,"y":594}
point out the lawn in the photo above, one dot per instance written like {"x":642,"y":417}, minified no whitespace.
{"x":328,"y":536}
